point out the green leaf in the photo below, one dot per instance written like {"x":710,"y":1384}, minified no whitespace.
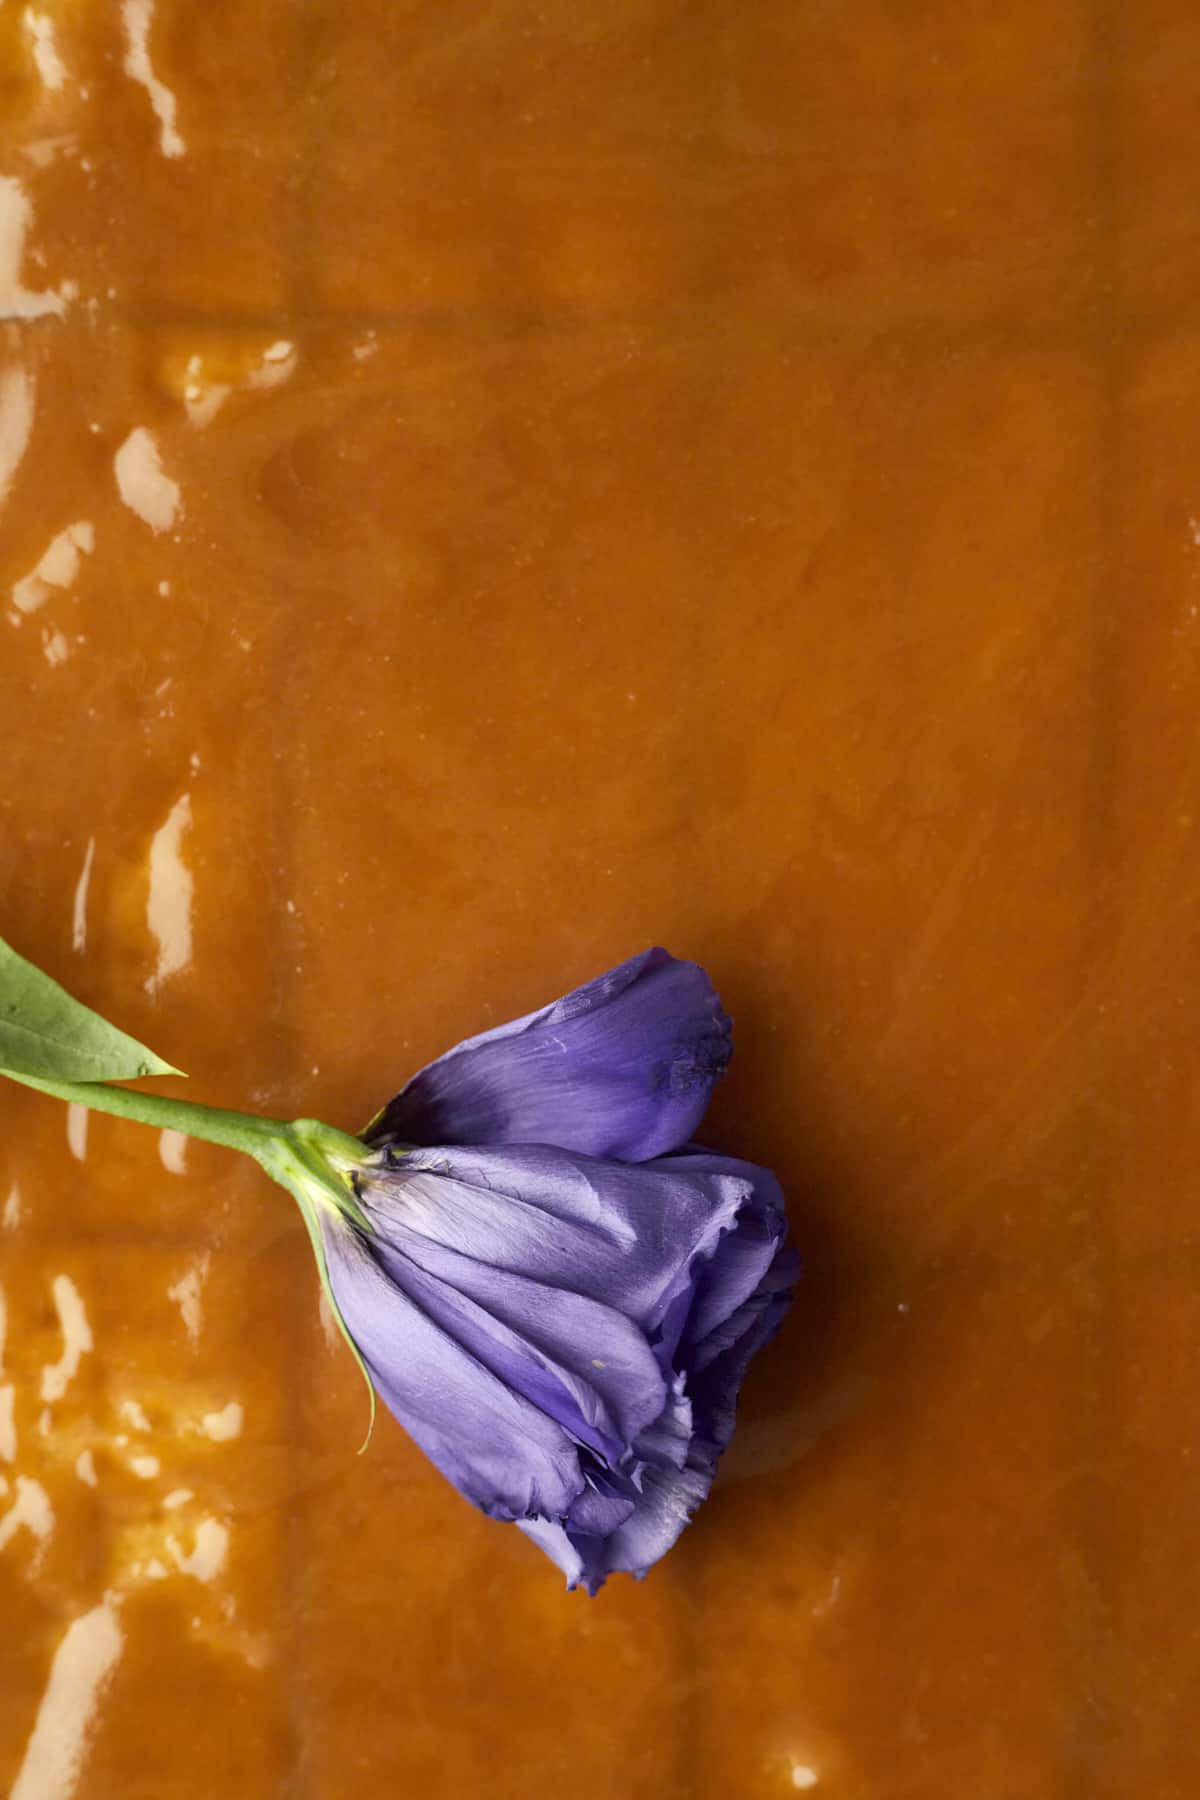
{"x":45,"y":1033}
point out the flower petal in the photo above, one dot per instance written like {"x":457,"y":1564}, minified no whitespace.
{"x":741,"y":1258}
{"x":550,"y":1537}
{"x":601,"y":1536}
{"x":715,"y":1371}
{"x":622,"y":1234}
{"x":503,"y":1453}
{"x":584,"y":1364}
{"x":668,"y":1500}
{"x":605,"y":1503}
{"x":622,"y":1067}
{"x":665,"y":1444}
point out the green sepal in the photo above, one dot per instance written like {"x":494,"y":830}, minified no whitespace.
{"x":318,"y":1244}
{"x":313,"y":1162}
{"x":47,"y":1034}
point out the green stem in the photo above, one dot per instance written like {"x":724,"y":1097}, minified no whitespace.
{"x":237,"y":1131}
{"x":313,"y":1161}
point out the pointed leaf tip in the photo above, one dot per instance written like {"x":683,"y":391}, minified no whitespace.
{"x":45,"y":1032}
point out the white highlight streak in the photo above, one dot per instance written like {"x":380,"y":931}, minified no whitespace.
{"x":85,"y":1467}
{"x":223,"y":1425}
{"x":77,"y":1339}
{"x":136,"y":16}
{"x":32,"y":1509}
{"x":277,"y":365}
{"x":16,"y":423}
{"x":172,"y":1153}
{"x":134,"y":1413}
{"x":79,"y":904}
{"x":49,"y":63}
{"x":203,"y":399}
{"x":329,"y":1325}
{"x":8,"y":1423}
{"x":142,"y":483}
{"x":55,"y":648}
{"x":186,"y":1294}
{"x":58,"y":567}
{"x":169,"y":904}
{"x":83,"y":1663}
{"x":204,"y":403}
{"x":16,"y":215}
{"x":77,"y":1130}
{"x":207,"y":1556}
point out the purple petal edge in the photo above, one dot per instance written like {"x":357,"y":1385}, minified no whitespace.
{"x":621,"y":1067}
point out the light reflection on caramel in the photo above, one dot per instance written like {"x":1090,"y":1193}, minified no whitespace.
{"x":16,"y":421}
{"x":137,"y":17}
{"x":57,"y":567}
{"x":169,"y":901}
{"x":16,"y":217}
{"x":47,"y":61}
{"x":56,"y":1437}
{"x":76,"y":1333}
{"x":143,"y":483}
{"x":85,"y":1659}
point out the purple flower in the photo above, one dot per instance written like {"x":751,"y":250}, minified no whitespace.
{"x":555,"y":1292}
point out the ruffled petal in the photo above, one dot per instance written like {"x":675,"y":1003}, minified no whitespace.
{"x":625,"y":1523}
{"x":622,"y":1067}
{"x":625,"y":1235}
{"x":551,"y":1537}
{"x":503,"y":1453}
{"x":665,"y":1444}
{"x":669,"y":1498}
{"x":741,"y":1257}
{"x":606,"y":1502}
{"x":565,"y":1336}
{"x":715,"y":1369}
{"x":582,"y":1363}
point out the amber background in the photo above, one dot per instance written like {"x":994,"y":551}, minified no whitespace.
{"x":767,"y":523}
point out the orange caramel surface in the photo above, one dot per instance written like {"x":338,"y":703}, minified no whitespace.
{"x":487,"y":488}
